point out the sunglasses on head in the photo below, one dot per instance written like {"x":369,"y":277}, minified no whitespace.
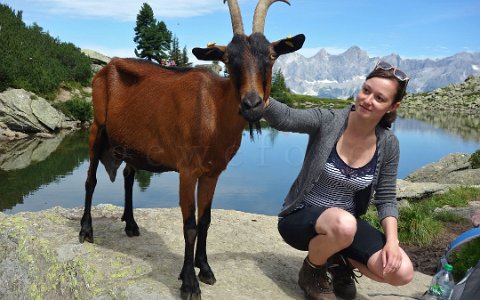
{"x":402,"y":76}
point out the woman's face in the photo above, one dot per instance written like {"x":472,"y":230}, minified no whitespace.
{"x":376,"y":98}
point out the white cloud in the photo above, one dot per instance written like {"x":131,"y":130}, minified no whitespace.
{"x":125,"y":10}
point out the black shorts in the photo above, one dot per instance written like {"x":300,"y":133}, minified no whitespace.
{"x":298,"y":228}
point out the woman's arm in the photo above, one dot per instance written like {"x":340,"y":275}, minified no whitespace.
{"x":391,"y":253}
{"x":284,"y":118}
{"x":386,"y":188}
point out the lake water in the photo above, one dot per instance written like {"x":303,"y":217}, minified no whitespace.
{"x":256,"y":180}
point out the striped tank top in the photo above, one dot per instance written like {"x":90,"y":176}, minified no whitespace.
{"x":338,"y":183}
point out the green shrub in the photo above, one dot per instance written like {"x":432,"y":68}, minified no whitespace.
{"x":475,"y":159}
{"x":464,"y":258}
{"x":77,"y":108}
{"x":35,"y":61}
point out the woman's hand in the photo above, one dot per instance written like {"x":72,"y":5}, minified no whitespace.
{"x":391,"y":257}
{"x":391,"y":252}
{"x":267,"y":102}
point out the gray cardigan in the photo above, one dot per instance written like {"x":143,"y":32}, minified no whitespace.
{"x":324,"y":127}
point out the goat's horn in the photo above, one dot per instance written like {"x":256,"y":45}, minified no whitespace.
{"x":261,"y":13}
{"x":237,"y":23}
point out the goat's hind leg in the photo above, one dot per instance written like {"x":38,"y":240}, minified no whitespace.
{"x":96,"y":141}
{"x":131,"y":227}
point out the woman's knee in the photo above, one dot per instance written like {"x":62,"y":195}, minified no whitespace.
{"x":403,"y":276}
{"x":339,"y":223}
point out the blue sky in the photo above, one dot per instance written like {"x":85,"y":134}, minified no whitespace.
{"x":410,"y":28}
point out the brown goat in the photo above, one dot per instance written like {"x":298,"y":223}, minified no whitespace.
{"x":186,"y":120}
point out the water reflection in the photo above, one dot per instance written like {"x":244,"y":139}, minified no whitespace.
{"x":28,"y":164}
{"x":465,"y":125}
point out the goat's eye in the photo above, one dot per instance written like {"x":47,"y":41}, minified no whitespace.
{"x":225,"y":59}
{"x":273,"y":57}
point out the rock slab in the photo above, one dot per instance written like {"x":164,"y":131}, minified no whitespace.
{"x":24,"y":111}
{"x":41,"y":258}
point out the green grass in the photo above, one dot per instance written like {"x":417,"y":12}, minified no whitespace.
{"x":457,"y":197}
{"x":418,"y":225}
{"x":303,"y":101}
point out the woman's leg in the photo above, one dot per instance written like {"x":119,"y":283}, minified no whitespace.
{"x":336,"y":229}
{"x":365,"y":253}
{"x":374,"y":269}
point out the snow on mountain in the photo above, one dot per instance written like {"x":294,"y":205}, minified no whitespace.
{"x":340,"y":76}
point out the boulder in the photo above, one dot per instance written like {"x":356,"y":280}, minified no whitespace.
{"x":420,"y":190}
{"x":41,"y":258}
{"x":24,"y":111}
{"x":96,"y":57}
{"x":46,"y":114}
{"x":454,"y":168}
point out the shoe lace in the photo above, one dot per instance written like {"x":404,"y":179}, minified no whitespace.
{"x":345,"y":271}
{"x":321,"y":276}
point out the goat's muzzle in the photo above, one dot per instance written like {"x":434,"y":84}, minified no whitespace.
{"x":252,"y":107}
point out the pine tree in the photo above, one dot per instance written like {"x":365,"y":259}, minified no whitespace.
{"x":165,"y":39}
{"x":184,"y":62}
{"x":175,"y":53}
{"x":279,"y":89}
{"x":153,"y":39}
{"x":279,"y":85}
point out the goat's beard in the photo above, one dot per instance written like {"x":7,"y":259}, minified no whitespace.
{"x":258,"y":129}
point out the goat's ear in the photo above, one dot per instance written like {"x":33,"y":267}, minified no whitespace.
{"x":290,"y":44}
{"x":209,"y":53}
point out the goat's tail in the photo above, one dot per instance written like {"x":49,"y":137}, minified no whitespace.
{"x":100,"y":95}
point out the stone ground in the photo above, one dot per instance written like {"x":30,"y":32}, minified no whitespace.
{"x":40,"y":256}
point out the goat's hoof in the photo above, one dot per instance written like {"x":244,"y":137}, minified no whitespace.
{"x":132,"y":232}
{"x":207,"y":277}
{"x":190,"y":290}
{"x":85,"y":236}
{"x":190,"y":295}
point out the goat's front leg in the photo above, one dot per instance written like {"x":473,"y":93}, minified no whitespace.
{"x":131,"y":227}
{"x":206,"y":188}
{"x":96,"y":143}
{"x":190,"y":289}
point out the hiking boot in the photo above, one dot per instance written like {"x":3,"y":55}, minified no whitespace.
{"x":343,"y":277}
{"x":315,"y":282}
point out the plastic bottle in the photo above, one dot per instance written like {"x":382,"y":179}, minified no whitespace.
{"x":442,"y":284}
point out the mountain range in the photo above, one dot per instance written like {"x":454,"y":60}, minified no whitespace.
{"x":341,"y":76}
